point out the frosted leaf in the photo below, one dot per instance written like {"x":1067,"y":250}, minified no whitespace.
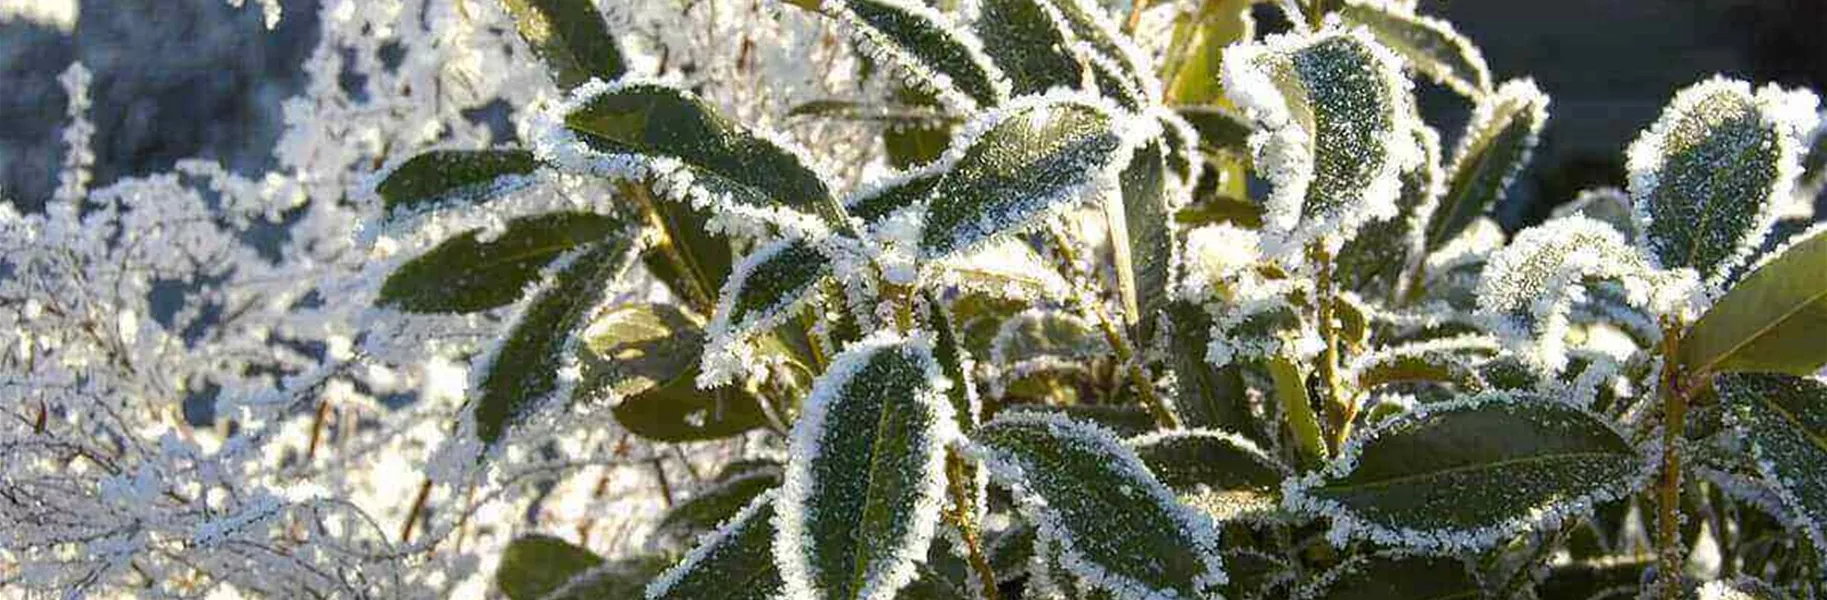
{"x":1609,"y":205}
{"x":1529,"y":287}
{"x":467,"y":273}
{"x":1783,"y":419}
{"x":1115,"y":527}
{"x":1205,"y":395}
{"x":1221,"y":473}
{"x":1709,"y":177}
{"x":1467,"y":474}
{"x":546,"y":567}
{"x":442,"y":177}
{"x":1450,"y":361}
{"x":1392,"y":575}
{"x":1377,"y":260}
{"x":1039,"y":341}
{"x":934,"y":52}
{"x":1427,"y":44}
{"x":1739,"y":588}
{"x":571,"y":37}
{"x":1005,"y":268}
{"x":1261,"y":322}
{"x":865,"y":477}
{"x":535,"y":361}
{"x":1095,"y":31}
{"x":643,"y":359}
{"x":1183,"y":142}
{"x":1143,"y":238}
{"x":746,"y":544}
{"x":710,"y":507}
{"x":879,"y":198}
{"x":1333,"y":114}
{"x":1495,"y":147}
{"x":692,"y":152}
{"x":1216,"y":256}
{"x":767,"y":287}
{"x":1010,"y":167}
{"x":1030,"y":42}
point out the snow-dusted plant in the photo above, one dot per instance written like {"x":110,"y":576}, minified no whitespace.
{"x":1140,"y":305}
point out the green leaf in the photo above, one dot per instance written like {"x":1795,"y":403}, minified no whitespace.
{"x":730,"y":167}
{"x":1144,"y":243}
{"x":464,"y":274}
{"x":944,"y":575}
{"x":1773,"y":320}
{"x":1494,"y":148}
{"x":1046,"y":339}
{"x":523,"y":372}
{"x":1408,"y":578}
{"x":571,"y":37}
{"x":715,"y":505}
{"x":1451,"y":361}
{"x":1334,"y":112}
{"x":890,"y":195}
{"x":1377,"y":260}
{"x":1291,"y":394}
{"x":1207,"y":396}
{"x":646,"y":357}
{"x":909,"y":143}
{"x":1218,"y":472}
{"x":1116,"y":527}
{"x":1028,"y":41}
{"x":1197,"y":56}
{"x":1467,"y":474}
{"x":1010,"y":551}
{"x":1708,"y":178}
{"x":769,"y":285}
{"x":865,"y":472}
{"x":538,"y":566}
{"x":1028,"y":160}
{"x":949,"y":351}
{"x":938,"y":55}
{"x":1219,"y":129}
{"x":460,"y":176}
{"x":1093,"y":28}
{"x":692,"y":261}
{"x":1784,"y":420}
{"x":735,"y":563}
{"x":1427,"y":44}
{"x":1595,"y":580}
{"x":1607,"y":205}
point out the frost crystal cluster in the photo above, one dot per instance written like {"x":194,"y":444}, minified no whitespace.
{"x":872,"y":299}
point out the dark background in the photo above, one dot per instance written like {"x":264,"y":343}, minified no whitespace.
{"x":197,"y":78}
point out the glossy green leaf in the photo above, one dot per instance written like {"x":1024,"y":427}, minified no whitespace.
{"x":1145,"y":254}
{"x":1218,"y":472}
{"x":865,"y":472}
{"x":928,"y":46}
{"x":1408,"y":578}
{"x":1028,"y":161}
{"x":1772,"y":320}
{"x":692,"y":261}
{"x":1494,"y":148}
{"x":539,"y":567}
{"x":1219,"y":129}
{"x":1428,"y":45}
{"x":1333,"y":112}
{"x":466,"y":274}
{"x":1708,"y":177}
{"x":463,"y":176}
{"x":723,"y":158}
{"x":571,"y":37}
{"x":1469,"y":473}
{"x":715,"y":505}
{"x":645,"y":356}
{"x":524,"y":370}
{"x":766,"y":289}
{"x":1097,"y":501}
{"x":1029,"y":42}
{"x":735,"y":563}
{"x":1784,"y":420}
{"x":1206,"y":396}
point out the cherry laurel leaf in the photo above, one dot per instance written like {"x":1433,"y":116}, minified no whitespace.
{"x":1428,"y":45}
{"x":1115,"y":527}
{"x":1333,"y":113}
{"x":934,"y":52}
{"x":766,"y":288}
{"x":865,"y":472}
{"x":1495,"y":147}
{"x":736,"y":562}
{"x":1783,"y":419}
{"x":1467,"y":474}
{"x":1709,"y":177}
